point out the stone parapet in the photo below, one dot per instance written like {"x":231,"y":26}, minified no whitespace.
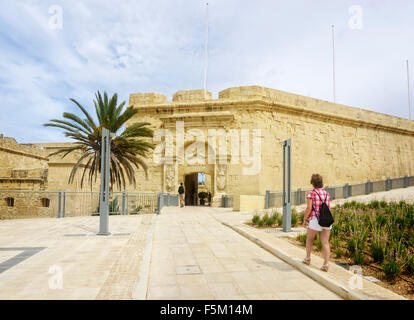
{"x":10,"y":145}
{"x":147,"y":98}
{"x":192,"y":95}
{"x":303,"y":104}
{"x":261,"y":98}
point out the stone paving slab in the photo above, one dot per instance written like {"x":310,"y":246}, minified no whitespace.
{"x":338,"y":279}
{"x":195,"y":256}
{"x":87,"y":262}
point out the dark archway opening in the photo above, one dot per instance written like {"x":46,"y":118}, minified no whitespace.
{"x":191,"y":189}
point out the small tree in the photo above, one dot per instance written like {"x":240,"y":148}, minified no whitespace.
{"x":128,"y":149}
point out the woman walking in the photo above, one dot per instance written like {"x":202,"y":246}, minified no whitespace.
{"x":314,"y":203}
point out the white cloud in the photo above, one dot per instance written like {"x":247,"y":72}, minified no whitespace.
{"x":142,"y":46}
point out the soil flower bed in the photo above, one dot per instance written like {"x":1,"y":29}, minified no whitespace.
{"x":378,"y":237}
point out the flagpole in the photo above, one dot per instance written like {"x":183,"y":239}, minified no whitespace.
{"x":205,"y":54}
{"x":408,"y":87}
{"x":333,"y":63}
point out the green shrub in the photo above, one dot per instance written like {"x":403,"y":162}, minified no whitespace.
{"x":301,"y":216}
{"x":137,"y":210}
{"x":256,"y":219}
{"x":391,"y":268}
{"x":361,"y":206}
{"x":409,"y":263}
{"x":294,"y":218}
{"x":280,"y":221}
{"x":336,"y":228}
{"x":396,"y":249}
{"x":336,"y":242}
{"x":114,"y":207}
{"x":265,"y":218}
{"x":378,"y":249}
{"x":338,"y":252}
{"x":302,"y":238}
{"x":383,"y":204}
{"x":356,"y":242}
{"x":381,"y":219}
{"x":275,"y":216}
{"x":318,"y":243}
{"x":374,"y":204}
{"x":270,"y":220}
{"x":358,"y":256}
{"x":261,"y":223}
{"x":402,"y":204}
{"x":351,"y":245}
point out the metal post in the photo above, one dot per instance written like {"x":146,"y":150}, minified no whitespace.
{"x":160,"y":202}
{"x":205,"y":55}
{"x":60,"y":204}
{"x":368,"y":187}
{"x":405,"y":181}
{"x":298,"y":196}
{"x":388,"y":184}
{"x":124,"y":203}
{"x":267,"y":199}
{"x":409,"y":95}
{"x":346,"y":189}
{"x":287,"y":203}
{"x":333,"y":64}
{"x":332,"y":193}
{"x":64,"y":204}
{"x":104,"y":194}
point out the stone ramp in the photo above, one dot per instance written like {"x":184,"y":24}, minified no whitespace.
{"x":339,"y":280}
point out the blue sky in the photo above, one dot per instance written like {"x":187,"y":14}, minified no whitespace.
{"x":157,"y":46}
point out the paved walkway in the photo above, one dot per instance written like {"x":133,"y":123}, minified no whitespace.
{"x":184,"y":253}
{"x":35,"y":252}
{"x":194,"y":256}
{"x":338,"y":279}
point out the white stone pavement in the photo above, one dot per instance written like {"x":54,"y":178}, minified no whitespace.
{"x":87,"y":262}
{"x":184,"y":253}
{"x":194,"y":256}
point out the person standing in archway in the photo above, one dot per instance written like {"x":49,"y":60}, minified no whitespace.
{"x":181,"y":193}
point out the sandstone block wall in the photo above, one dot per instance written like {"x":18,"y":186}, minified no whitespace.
{"x":344,"y":144}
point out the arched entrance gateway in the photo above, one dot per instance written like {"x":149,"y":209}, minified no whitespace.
{"x":198,"y":179}
{"x":197,"y":165}
{"x":197,"y":186}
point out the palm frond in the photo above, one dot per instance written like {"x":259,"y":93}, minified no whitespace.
{"x":128,"y":149}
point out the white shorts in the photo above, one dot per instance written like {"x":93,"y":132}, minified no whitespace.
{"x":314,"y":225}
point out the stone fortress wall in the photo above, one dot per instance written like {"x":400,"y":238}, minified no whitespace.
{"x":22,"y":167}
{"x":344,"y":144}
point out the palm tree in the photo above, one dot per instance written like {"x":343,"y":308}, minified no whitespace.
{"x":128,"y":149}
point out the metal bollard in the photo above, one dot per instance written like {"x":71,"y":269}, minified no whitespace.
{"x":346,"y":190}
{"x":388,"y":184}
{"x":124,"y":203}
{"x":405,"y":181}
{"x":267,"y":199}
{"x":367,"y":187}
{"x":60,"y":204}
